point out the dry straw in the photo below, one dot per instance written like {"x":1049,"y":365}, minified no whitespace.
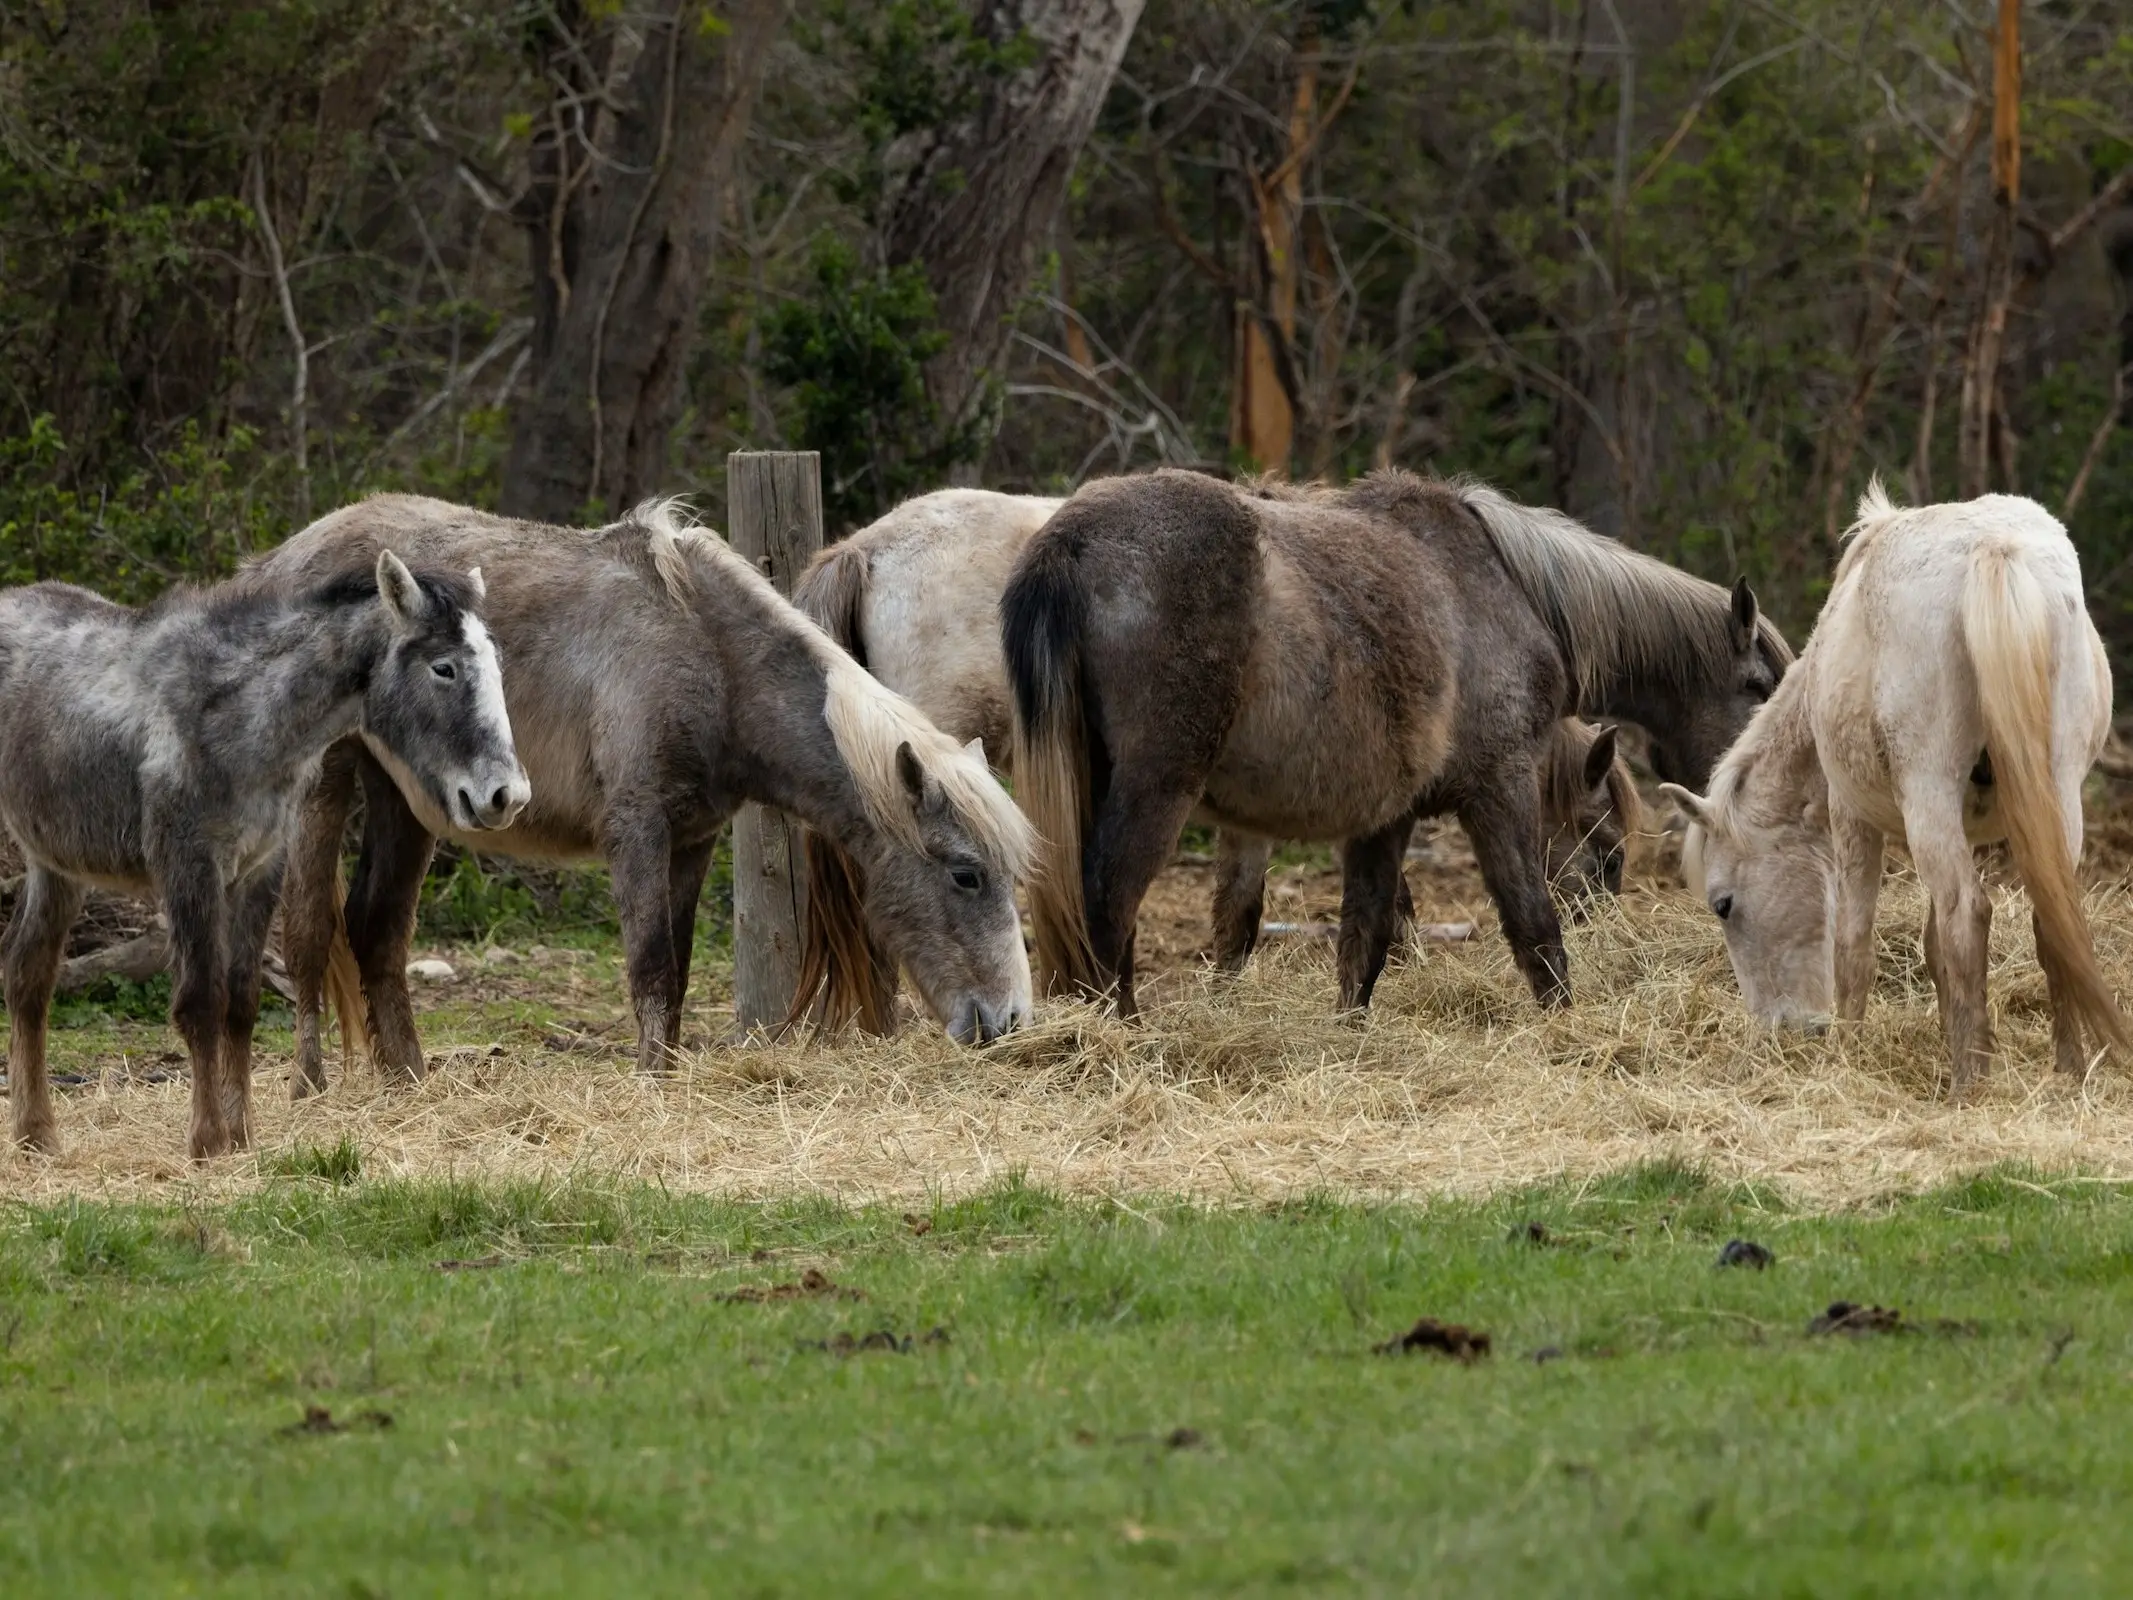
{"x":1247,"y":1088}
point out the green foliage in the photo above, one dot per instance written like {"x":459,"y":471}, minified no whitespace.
{"x":916,"y":64}
{"x":853,"y":353}
{"x":193,"y":510}
{"x":110,"y":998}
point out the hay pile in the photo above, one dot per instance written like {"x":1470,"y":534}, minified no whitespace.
{"x":1246,"y":1088}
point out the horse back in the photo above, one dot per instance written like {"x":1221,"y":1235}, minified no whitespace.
{"x":1351,"y":679}
{"x":79,"y":720}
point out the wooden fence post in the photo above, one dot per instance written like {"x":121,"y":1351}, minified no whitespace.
{"x":774,"y":519}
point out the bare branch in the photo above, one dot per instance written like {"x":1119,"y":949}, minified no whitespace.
{"x":299,"y":398}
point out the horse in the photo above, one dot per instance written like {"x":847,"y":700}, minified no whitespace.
{"x":915,"y":596}
{"x":1954,"y":693}
{"x":1332,"y":664}
{"x":169,"y":749}
{"x":659,"y":682}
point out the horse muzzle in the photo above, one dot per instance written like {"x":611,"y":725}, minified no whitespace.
{"x":493,"y":802}
{"x":976,"y":1022}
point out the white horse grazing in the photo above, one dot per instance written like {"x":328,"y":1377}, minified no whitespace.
{"x":1954,"y":693}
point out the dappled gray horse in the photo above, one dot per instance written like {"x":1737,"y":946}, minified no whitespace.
{"x":168,"y":749}
{"x":658,"y":682}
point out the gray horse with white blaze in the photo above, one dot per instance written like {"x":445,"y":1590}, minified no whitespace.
{"x":169,"y":749}
{"x":658,"y":682}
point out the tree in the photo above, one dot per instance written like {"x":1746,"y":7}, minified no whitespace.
{"x":973,"y":196}
{"x":628,"y":173}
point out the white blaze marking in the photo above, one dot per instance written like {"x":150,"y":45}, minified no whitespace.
{"x":488,"y":684}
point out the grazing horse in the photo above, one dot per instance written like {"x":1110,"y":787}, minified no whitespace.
{"x":915,"y":598}
{"x":658,"y":682}
{"x":169,"y":749}
{"x":1328,"y":664}
{"x":1954,"y":693}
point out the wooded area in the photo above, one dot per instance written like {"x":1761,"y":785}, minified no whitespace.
{"x":1689,"y":270}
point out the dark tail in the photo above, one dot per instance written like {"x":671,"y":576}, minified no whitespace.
{"x":1043,"y":618}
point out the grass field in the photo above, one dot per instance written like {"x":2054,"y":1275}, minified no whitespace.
{"x":1095,"y":1310}
{"x":1097,"y":1397}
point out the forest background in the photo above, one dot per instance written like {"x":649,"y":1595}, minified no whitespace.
{"x":1690,"y":271}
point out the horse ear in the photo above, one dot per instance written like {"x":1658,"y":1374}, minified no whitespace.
{"x":1600,"y":758}
{"x":397,"y":587}
{"x":478,"y":584}
{"x":1695,"y":806}
{"x":1743,"y":617}
{"x":976,"y":747}
{"x":912,"y":773}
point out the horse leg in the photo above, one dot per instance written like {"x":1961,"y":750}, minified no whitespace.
{"x":685,"y":886}
{"x":36,"y":940}
{"x":1403,"y":898}
{"x":1370,"y":874}
{"x":639,"y":860}
{"x":381,"y":919}
{"x":1503,"y":824}
{"x":1136,"y":827}
{"x":309,"y":916}
{"x":1859,"y":847}
{"x":1959,"y":938}
{"x":252,"y":913}
{"x":199,"y":1002}
{"x":1240,"y":896}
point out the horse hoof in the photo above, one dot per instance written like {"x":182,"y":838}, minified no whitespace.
{"x":40,"y":1139}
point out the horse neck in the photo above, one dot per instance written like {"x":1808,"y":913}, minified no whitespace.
{"x":789,"y":758}
{"x":1785,"y":771}
{"x":300,"y":672}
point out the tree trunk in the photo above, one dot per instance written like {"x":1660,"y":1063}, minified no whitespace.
{"x":1975,"y":443}
{"x":975,"y":198}
{"x":629,"y":172}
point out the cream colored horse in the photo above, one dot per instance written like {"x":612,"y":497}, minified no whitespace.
{"x":1954,"y":693}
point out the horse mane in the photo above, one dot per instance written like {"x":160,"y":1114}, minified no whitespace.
{"x":1780,"y":730}
{"x":1615,"y":609}
{"x":868,"y":721}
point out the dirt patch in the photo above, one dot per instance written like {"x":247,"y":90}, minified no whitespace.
{"x":319,"y":1420}
{"x":1452,"y":1339}
{"x":1745,"y":1253}
{"x":884,"y":1341}
{"x":814,"y":1284}
{"x":1845,"y":1317}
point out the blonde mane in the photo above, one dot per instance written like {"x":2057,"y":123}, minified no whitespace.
{"x":868,"y":721}
{"x":1617,"y":609}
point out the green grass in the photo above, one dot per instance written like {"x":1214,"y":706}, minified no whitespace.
{"x":575,"y":1409}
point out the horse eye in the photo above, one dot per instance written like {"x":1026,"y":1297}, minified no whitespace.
{"x":444,"y":670}
{"x":968,"y":879}
{"x":1722,"y":907}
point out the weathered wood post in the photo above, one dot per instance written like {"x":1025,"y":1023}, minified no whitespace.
{"x":774,"y":518}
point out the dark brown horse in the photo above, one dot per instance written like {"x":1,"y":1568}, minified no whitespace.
{"x":1326,"y":664}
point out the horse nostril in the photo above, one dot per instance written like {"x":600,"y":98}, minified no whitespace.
{"x":467,"y":805}
{"x":500,"y":802}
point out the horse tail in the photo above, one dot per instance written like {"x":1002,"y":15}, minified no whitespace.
{"x":844,"y":972}
{"x":2007,"y":627}
{"x":1043,"y":619}
{"x":344,"y":977}
{"x":833,"y":592}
